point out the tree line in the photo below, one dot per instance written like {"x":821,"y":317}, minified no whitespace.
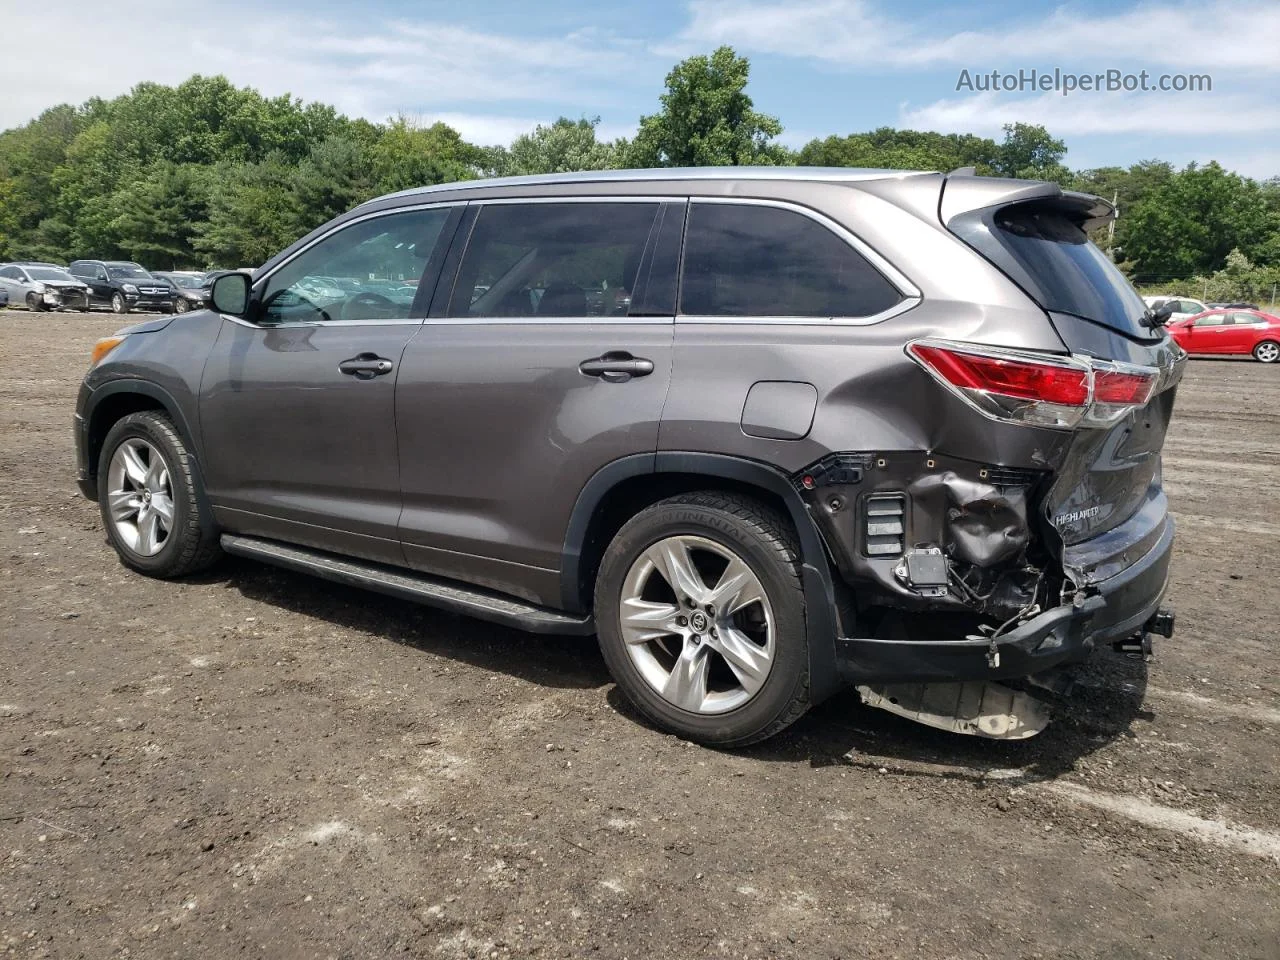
{"x":206,"y":174}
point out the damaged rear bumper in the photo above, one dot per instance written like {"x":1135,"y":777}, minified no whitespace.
{"x":1117,"y":607}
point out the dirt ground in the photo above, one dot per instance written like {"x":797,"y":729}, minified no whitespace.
{"x":255,"y":763}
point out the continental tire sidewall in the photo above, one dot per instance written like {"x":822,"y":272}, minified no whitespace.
{"x":784,"y":694}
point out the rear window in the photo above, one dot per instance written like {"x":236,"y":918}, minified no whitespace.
{"x":1051,"y":257}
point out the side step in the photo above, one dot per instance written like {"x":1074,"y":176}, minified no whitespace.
{"x":408,"y":585}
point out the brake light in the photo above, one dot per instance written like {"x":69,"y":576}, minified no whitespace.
{"x":1007,"y":377}
{"x":1113,"y":386}
{"x":1042,"y":389}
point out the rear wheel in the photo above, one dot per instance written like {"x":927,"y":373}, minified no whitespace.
{"x":700,"y":617}
{"x":154,"y":512}
{"x":119,"y":304}
{"x":1268,"y":351}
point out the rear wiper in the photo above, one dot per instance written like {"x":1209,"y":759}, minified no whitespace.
{"x":1157,"y":318}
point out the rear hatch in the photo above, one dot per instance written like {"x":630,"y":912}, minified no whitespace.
{"x":1105,"y":501}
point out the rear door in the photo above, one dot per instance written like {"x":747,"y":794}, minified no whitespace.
{"x":547,"y":356}
{"x":298,"y":407}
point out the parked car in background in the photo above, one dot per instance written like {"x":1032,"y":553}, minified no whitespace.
{"x":1232,"y":306}
{"x":43,"y":288}
{"x":1230,"y":332}
{"x":1182,"y":307}
{"x":38,"y":263}
{"x":190,"y":288}
{"x":845,"y":428}
{"x":124,"y":285}
{"x":4,"y":297}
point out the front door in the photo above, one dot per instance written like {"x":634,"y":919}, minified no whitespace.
{"x":549,"y":359}
{"x":298,"y":403}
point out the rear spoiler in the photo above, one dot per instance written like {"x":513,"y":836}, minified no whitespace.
{"x":963,"y":193}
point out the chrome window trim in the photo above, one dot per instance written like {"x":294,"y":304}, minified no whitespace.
{"x":912,"y":297}
{"x":241,"y":321}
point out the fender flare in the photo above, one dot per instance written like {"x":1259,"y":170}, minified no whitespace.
{"x":821,"y":622}
{"x":147,"y":389}
{"x":174,"y":411}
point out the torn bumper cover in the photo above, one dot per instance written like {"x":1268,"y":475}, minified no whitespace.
{"x":1122,"y":606}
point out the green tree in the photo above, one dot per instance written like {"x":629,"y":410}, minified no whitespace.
{"x":902,"y":150}
{"x":1189,"y":223}
{"x":253,"y":213}
{"x":333,"y":178}
{"x":408,"y":155}
{"x":561,"y":147}
{"x":707,"y":119}
{"x":1030,"y":153}
{"x":156,"y":217}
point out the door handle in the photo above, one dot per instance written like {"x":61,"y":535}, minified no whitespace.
{"x":616,"y":366}
{"x":366,"y":366}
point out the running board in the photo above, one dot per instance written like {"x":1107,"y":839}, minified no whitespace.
{"x":409,"y":585}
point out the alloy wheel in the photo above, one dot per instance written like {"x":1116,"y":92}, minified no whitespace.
{"x":139,"y":498}
{"x":1267,"y":352}
{"x":697,"y":624}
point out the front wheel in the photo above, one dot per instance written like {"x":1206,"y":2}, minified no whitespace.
{"x":181,"y":306}
{"x":34,"y":303}
{"x":1268,"y":351}
{"x":148,"y":490}
{"x":119,"y":304}
{"x":700,"y":616}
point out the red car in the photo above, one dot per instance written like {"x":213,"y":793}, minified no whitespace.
{"x":1230,"y":331}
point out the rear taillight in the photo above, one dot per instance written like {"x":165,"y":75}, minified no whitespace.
{"x":1041,"y":389}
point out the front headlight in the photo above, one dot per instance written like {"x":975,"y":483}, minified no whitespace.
{"x":129,"y":288}
{"x":51,"y":295}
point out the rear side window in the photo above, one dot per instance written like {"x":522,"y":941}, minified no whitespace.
{"x":538,"y":260}
{"x":753,"y":260}
{"x":1061,"y":268}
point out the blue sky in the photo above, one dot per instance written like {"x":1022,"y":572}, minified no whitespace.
{"x":494,"y":68}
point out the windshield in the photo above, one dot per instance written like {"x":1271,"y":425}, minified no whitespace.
{"x":47,"y":273}
{"x":126,"y":271}
{"x":1049,"y":254}
{"x":188,"y":281}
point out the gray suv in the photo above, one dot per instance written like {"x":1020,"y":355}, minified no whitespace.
{"x":766,"y":432}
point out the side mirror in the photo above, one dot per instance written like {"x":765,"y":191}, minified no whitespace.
{"x":231,"y":294}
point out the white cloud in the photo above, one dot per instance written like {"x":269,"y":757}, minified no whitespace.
{"x":861,"y":35}
{"x":365,"y":67}
{"x":1099,"y":114}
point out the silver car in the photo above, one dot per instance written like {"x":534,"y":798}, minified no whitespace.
{"x":43,"y":287}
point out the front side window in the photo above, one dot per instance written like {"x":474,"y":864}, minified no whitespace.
{"x":1213,"y":320}
{"x":751,"y":260}
{"x":10,"y":273}
{"x":367,"y":271}
{"x":537,"y":260}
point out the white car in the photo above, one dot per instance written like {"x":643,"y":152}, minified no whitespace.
{"x":1183,"y":306}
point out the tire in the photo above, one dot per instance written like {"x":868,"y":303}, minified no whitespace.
{"x":34,"y":304}
{"x":190,"y":541}
{"x":1268,"y":351}
{"x":728,"y":701}
{"x":119,"y":304}
{"x":181,"y":306}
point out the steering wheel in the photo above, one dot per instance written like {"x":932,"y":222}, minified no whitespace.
{"x":366,"y":298}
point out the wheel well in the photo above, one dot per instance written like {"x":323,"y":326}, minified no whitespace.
{"x":107,"y":413}
{"x":630,"y":496}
